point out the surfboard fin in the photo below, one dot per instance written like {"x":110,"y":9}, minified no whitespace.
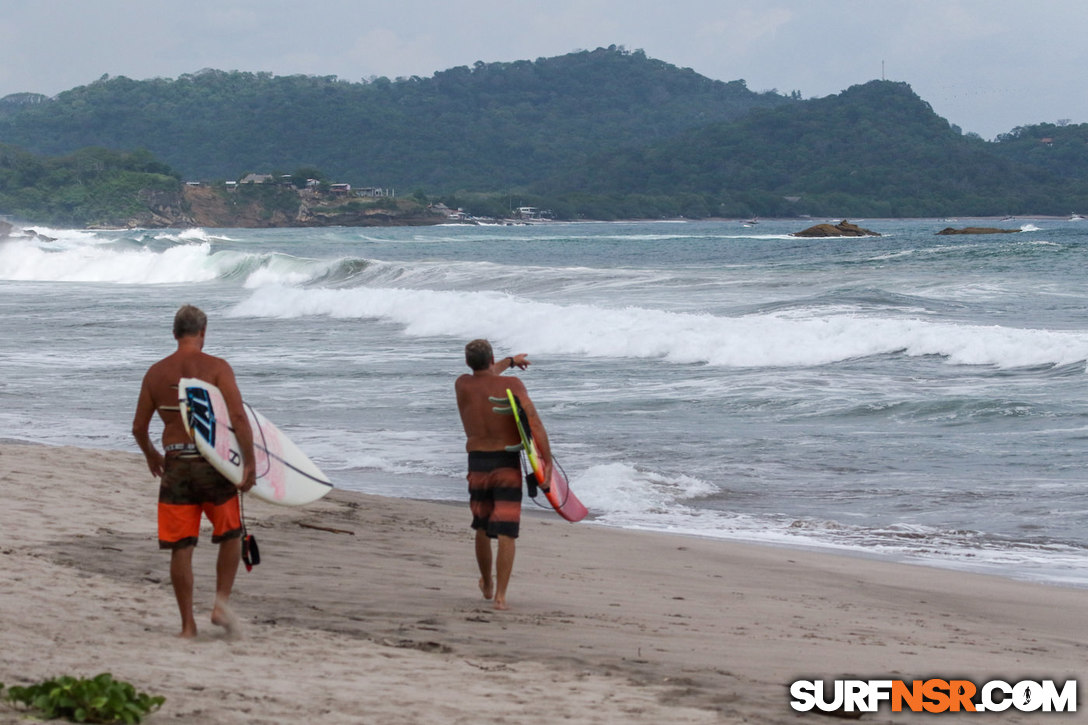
{"x":500,"y":406}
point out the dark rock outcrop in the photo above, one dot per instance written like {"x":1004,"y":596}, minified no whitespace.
{"x":977,"y":230}
{"x":842,"y":229}
{"x":8,"y":230}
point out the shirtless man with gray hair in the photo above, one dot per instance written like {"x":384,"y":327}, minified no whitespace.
{"x":494,"y":461}
{"x":189,"y":485}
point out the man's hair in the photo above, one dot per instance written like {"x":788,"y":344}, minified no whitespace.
{"x":478,"y":354}
{"x":189,"y":321}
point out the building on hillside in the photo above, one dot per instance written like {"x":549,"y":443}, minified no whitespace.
{"x":374,"y":192}
{"x":531,"y":213}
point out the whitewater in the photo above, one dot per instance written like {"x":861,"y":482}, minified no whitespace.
{"x":910,"y":396}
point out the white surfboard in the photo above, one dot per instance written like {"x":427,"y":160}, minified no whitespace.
{"x":285,"y":475}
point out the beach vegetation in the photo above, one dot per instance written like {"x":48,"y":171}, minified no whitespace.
{"x":91,"y":186}
{"x":304,"y":175}
{"x":100,"y":699}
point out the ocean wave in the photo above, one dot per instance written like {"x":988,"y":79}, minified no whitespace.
{"x":190,"y":256}
{"x":195,"y":256}
{"x":949,"y":411}
{"x":757,"y":340}
{"x":66,"y":238}
{"x":619,"y":488}
{"x":28,"y":261}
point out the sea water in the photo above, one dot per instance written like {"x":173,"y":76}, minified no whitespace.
{"x":914,"y":397}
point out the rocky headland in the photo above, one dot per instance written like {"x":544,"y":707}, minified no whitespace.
{"x":265,"y":208}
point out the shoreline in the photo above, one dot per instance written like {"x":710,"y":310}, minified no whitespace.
{"x":385,"y":623}
{"x":23,"y":226}
{"x":531,"y":510}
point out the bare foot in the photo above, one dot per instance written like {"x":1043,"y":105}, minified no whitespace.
{"x":500,"y":604}
{"x":485,"y":588}
{"x":187,"y":633}
{"x":223,"y":616}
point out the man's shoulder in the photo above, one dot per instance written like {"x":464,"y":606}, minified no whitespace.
{"x":514,"y":383}
{"x":491,"y":385}
{"x":159,"y":368}
{"x":214,"y":369}
{"x":213,"y":360}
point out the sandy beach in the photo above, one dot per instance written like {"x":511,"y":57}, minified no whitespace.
{"x":374,"y":615}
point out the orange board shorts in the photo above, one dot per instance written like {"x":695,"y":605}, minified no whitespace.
{"x":191,"y":487}
{"x":494,"y":492}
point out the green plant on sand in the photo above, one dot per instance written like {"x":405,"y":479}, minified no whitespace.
{"x":101,"y":699}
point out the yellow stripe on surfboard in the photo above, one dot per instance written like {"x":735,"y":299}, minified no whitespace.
{"x":526,"y":438}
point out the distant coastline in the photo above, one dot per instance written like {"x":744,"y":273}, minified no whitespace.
{"x":261,"y":208}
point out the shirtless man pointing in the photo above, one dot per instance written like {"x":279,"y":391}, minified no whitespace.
{"x":190,"y":485}
{"x":494,"y":470}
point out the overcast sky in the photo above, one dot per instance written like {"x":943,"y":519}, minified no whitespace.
{"x":985,"y":65}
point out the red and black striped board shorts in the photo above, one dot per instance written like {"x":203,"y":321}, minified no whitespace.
{"x":494,"y":492}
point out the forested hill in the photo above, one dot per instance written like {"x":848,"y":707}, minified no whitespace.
{"x":597,"y":134}
{"x":489,"y":127}
{"x":875,"y":150}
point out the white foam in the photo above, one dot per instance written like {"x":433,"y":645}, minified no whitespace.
{"x":73,"y":256}
{"x":195,"y":234}
{"x":283,"y":269}
{"x":621,"y":489}
{"x":26,"y":261}
{"x":65,"y":238}
{"x":762,"y":340}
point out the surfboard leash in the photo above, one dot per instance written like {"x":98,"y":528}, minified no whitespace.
{"x":269,"y":455}
{"x":566,"y":495}
{"x":532,"y":485}
{"x":251,"y":555}
{"x":264,"y":441}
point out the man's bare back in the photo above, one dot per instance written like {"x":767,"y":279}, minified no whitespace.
{"x":486,"y":430}
{"x":159,"y":392}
